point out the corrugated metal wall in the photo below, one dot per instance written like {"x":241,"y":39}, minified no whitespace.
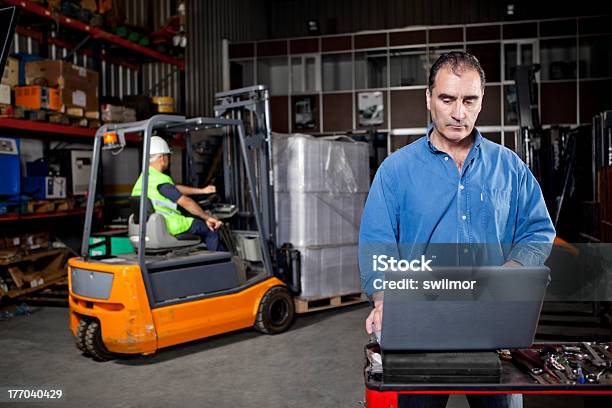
{"x":149,"y":13}
{"x":345,"y":16}
{"x":288,"y":18}
{"x":208,"y":23}
{"x":153,"y":15}
{"x":154,"y":73}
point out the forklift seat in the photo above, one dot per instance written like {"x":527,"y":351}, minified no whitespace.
{"x":158,"y":238}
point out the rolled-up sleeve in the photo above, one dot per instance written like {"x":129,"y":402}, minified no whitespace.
{"x":534,"y":231}
{"x":379,"y":228}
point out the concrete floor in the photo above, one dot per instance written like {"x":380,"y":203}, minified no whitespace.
{"x":318,"y":363}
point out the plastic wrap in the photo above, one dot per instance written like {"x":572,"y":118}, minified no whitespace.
{"x":320,"y":188}
{"x":304,"y":163}
{"x":318,"y":218}
{"x":329,"y":271}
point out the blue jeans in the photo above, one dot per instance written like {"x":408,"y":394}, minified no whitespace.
{"x":475,"y":401}
{"x":210,"y":238}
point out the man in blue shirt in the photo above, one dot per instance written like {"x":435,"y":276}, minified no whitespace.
{"x":452,"y":186}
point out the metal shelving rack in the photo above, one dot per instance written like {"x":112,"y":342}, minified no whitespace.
{"x":95,"y":44}
{"x":94,"y":32}
{"x":99,"y":39}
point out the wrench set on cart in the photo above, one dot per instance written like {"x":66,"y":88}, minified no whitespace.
{"x":578,"y":363}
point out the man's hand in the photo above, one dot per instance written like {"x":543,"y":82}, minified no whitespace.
{"x":512,"y":264}
{"x":213,"y":223}
{"x":374,"y":321}
{"x":208,"y":189}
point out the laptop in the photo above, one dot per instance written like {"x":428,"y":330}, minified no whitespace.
{"x":463,"y":308}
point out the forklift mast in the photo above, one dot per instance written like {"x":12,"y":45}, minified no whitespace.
{"x":250,"y":105}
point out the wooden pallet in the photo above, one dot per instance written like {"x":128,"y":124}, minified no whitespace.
{"x":51,"y":205}
{"x":307,"y":305}
{"x":54,"y":294}
{"x":31,"y":272}
{"x":74,"y":117}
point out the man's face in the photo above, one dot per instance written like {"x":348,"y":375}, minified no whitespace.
{"x":455,"y":102}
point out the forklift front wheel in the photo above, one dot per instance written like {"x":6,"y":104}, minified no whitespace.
{"x":276,"y":311}
{"x":95,"y":345}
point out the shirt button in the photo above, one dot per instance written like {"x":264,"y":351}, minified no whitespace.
{"x":465,"y":250}
{"x":463,"y":217}
{"x":461,"y":187}
{"x":445,"y":158}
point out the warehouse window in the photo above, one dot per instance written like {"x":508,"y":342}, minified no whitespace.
{"x":510,"y":105}
{"x":274,"y":73}
{"x":337,"y":72}
{"x":242,"y":74}
{"x":558,"y":59}
{"x":305,"y":73}
{"x":519,"y":53}
{"x":409,"y":67}
{"x":371,"y":69}
{"x":595,"y":56}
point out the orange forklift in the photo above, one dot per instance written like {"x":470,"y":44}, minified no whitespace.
{"x":172,"y":290}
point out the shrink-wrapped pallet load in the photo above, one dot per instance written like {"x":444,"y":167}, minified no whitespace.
{"x":320,"y":187}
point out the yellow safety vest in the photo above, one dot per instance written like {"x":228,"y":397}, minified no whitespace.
{"x":175,"y":221}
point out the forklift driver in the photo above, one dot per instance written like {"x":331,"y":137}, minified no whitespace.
{"x":165,"y":195}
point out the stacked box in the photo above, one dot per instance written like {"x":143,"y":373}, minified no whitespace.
{"x":117,"y":114}
{"x":29,"y":241}
{"x":78,"y":86}
{"x":320,"y":188}
{"x":37,"y":97}
{"x":10,"y":76}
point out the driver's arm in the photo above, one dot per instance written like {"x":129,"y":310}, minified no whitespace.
{"x":186,"y":190}
{"x":193,"y":207}
{"x":174,"y":194}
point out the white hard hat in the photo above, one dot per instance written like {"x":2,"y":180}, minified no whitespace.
{"x":159,"y":146}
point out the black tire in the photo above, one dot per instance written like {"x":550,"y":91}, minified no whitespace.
{"x":79,"y":339}
{"x":276,"y":311}
{"x":95,"y":345}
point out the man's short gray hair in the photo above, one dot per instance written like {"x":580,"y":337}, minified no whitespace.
{"x":457,"y":62}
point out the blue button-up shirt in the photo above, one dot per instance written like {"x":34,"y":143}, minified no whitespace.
{"x":419,"y":197}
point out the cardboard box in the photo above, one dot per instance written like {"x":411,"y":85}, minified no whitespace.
{"x":29,"y":241}
{"x":78,"y":86}
{"x":37,"y":98}
{"x":10,"y":76}
{"x":5,"y":94}
{"x":35,"y":240}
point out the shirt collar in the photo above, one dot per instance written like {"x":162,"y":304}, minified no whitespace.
{"x":477,"y":139}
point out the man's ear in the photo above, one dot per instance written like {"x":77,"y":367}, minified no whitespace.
{"x":481,"y":100}
{"x":428,"y":99}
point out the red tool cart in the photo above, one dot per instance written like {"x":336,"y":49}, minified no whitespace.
{"x":569,"y":368}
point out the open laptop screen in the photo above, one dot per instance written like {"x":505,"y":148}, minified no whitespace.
{"x":489,"y":308}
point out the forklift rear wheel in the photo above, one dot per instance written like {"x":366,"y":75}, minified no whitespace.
{"x":95,"y":345}
{"x":276,"y":311}
{"x":79,"y":339}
